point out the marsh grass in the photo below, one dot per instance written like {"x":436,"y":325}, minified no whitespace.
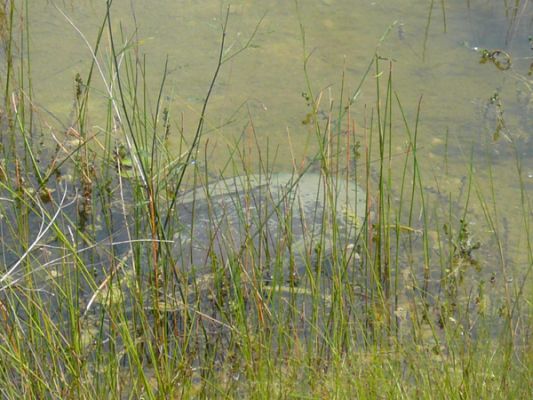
{"x":94,"y":304}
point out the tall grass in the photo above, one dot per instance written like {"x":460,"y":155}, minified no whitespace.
{"x":96,"y":302}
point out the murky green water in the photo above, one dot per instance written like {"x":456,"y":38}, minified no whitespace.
{"x":268,"y":79}
{"x":432,"y":60}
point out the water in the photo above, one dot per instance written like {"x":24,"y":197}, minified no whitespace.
{"x":266,"y":82}
{"x":473,"y":115}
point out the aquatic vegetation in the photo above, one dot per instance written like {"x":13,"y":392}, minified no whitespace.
{"x":131,"y":267}
{"x":500,"y":58}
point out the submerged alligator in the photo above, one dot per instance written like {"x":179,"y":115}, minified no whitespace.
{"x":283,"y":225}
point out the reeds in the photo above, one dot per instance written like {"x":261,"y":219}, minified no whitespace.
{"x":95,"y":301}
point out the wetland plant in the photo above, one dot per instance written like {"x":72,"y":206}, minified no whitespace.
{"x":94,"y":303}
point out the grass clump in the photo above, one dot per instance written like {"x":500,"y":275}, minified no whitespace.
{"x":96,"y":302}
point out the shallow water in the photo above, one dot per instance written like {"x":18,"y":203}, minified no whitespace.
{"x":261,"y":91}
{"x":433,"y":61}
{"x":269,"y":77}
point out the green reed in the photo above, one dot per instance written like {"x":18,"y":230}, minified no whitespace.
{"x":94,"y":302}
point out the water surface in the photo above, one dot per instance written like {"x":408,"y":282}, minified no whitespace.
{"x":432,"y":55}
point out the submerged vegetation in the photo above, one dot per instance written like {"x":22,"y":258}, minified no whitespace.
{"x":428,"y":300}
